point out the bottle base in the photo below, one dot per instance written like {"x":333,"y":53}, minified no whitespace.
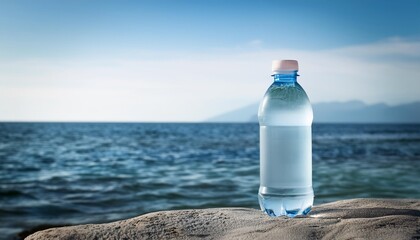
{"x":290,"y":206}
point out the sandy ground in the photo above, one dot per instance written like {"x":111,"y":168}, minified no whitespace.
{"x":347,"y":219}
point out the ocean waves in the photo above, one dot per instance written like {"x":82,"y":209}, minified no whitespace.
{"x":98,"y":172}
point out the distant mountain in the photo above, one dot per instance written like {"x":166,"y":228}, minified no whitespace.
{"x":245,"y":114}
{"x":339,"y":112}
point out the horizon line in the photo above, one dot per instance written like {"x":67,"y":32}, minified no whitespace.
{"x":192,"y":122}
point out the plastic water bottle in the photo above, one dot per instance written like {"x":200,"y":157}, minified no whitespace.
{"x":285,"y":117}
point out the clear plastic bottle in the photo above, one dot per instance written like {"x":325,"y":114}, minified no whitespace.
{"x":285,"y":117}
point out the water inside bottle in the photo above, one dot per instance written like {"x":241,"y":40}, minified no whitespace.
{"x":286,"y":170}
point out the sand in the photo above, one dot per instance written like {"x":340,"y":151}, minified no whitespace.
{"x":347,"y":219}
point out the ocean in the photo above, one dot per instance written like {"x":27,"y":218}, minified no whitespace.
{"x":75,"y":173}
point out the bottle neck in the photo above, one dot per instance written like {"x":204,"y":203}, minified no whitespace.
{"x":285,"y":77}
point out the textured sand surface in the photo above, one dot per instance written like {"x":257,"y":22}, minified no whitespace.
{"x":347,"y":219}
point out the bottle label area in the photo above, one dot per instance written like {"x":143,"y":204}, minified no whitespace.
{"x":285,"y":157}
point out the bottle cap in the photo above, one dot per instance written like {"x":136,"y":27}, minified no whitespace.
{"x":284,"y":66}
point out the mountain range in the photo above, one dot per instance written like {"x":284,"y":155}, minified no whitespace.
{"x":338,"y":112}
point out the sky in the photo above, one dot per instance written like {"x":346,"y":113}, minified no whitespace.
{"x":186,"y":61}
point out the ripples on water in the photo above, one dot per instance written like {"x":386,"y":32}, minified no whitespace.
{"x":70,"y":173}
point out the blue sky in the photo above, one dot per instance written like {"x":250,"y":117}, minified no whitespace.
{"x":190,"y":60}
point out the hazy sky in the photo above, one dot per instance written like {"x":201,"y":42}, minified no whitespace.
{"x":190,"y":60}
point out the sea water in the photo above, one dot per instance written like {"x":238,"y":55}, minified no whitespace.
{"x":285,"y":170}
{"x":102,"y":172}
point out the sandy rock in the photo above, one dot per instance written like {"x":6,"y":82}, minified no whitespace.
{"x":347,"y":219}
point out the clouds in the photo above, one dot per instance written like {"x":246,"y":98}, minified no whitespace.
{"x":192,"y":86}
{"x":386,"y":71}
